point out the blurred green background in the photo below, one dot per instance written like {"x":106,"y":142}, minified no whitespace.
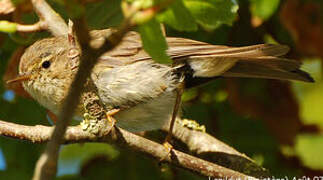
{"x":278,"y":124}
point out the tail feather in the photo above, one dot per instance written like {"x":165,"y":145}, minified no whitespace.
{"x":274,"y":62}
{"x":257,"y":61}
{"x":255,"y":70}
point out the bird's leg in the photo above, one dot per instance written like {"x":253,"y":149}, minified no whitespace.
{"x":179,"y":92}
{"x":52,"y":117}
{"x":96,"y":116}
{"x":110,"y":117}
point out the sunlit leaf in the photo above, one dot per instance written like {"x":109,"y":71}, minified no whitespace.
{"x":72,"y":156}
{"x":154,"y":41}
{"x":310,"y":96}
{"x":264,"y":9}
{"x":178,"y":17}
{"x":309,"y":150}
{"x":212,"y":13}
{"x":8,"y":27}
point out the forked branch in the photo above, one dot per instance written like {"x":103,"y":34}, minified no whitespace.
{"x":75,"y":134}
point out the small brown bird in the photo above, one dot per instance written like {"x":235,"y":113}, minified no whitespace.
{"x":145,"y":91}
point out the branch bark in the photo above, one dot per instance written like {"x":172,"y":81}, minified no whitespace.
{"x":32,"y":27}
{"x":51,"y":20}
{"x":75,"y":134}
{"x":48,"y":19}
{"x":208,"y":147}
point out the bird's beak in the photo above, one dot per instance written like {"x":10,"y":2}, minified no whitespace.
{"x":19,"y":78}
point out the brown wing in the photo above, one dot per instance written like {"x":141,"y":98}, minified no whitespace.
{"x":206,"y":60}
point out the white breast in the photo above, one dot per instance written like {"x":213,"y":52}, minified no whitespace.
{"x":47,"y":93}
{"x":147,"y":116}
{"x":144,"y":91}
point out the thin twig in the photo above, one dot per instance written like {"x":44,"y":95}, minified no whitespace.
{"x":54,"y":22}
{"x":75,"y":134}
{"x":48,"y":20}
{"x":32,"y":27}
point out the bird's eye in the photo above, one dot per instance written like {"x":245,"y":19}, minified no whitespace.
{"x":45,"y":64}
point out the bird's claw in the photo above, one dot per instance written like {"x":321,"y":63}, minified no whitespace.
{"x":168,"y":147}
{"x":110,"y":117}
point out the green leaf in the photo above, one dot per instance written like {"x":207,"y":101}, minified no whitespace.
{"x":74,"y":155}
{"x":309,"y":95}
{"x":103,"y":14}
{"x":212,"y":13}
{"x":309,"y":149}
{"x":154,"y":41}
{"x":190,"y":94}
{"x":178,"y":17}
{"x":8,"y":27}
{"x":264,"y":9}
{"x":144,"y":4}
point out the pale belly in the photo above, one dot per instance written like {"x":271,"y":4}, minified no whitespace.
{"x":147,"y":116}
{"x":144,"y":91}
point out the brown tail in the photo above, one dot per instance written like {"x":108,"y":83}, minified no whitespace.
{"x":259,"y":70}
{"x":257,"y":61}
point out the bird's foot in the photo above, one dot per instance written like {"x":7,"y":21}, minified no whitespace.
{"x":110,"y":117}
{"x":168,"y":147}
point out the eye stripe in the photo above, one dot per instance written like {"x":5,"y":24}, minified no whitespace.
{"x":46,"y":60}
{"x":44,"y":55}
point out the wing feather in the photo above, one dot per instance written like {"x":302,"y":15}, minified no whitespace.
{"x":208,"y":60}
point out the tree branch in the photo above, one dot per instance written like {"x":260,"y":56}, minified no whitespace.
{"x":75,"y":134}
{"x":48,"y":19}
{"x":51,"y":20}
{"x":32,"y":27}
{"x":208,"y":147}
